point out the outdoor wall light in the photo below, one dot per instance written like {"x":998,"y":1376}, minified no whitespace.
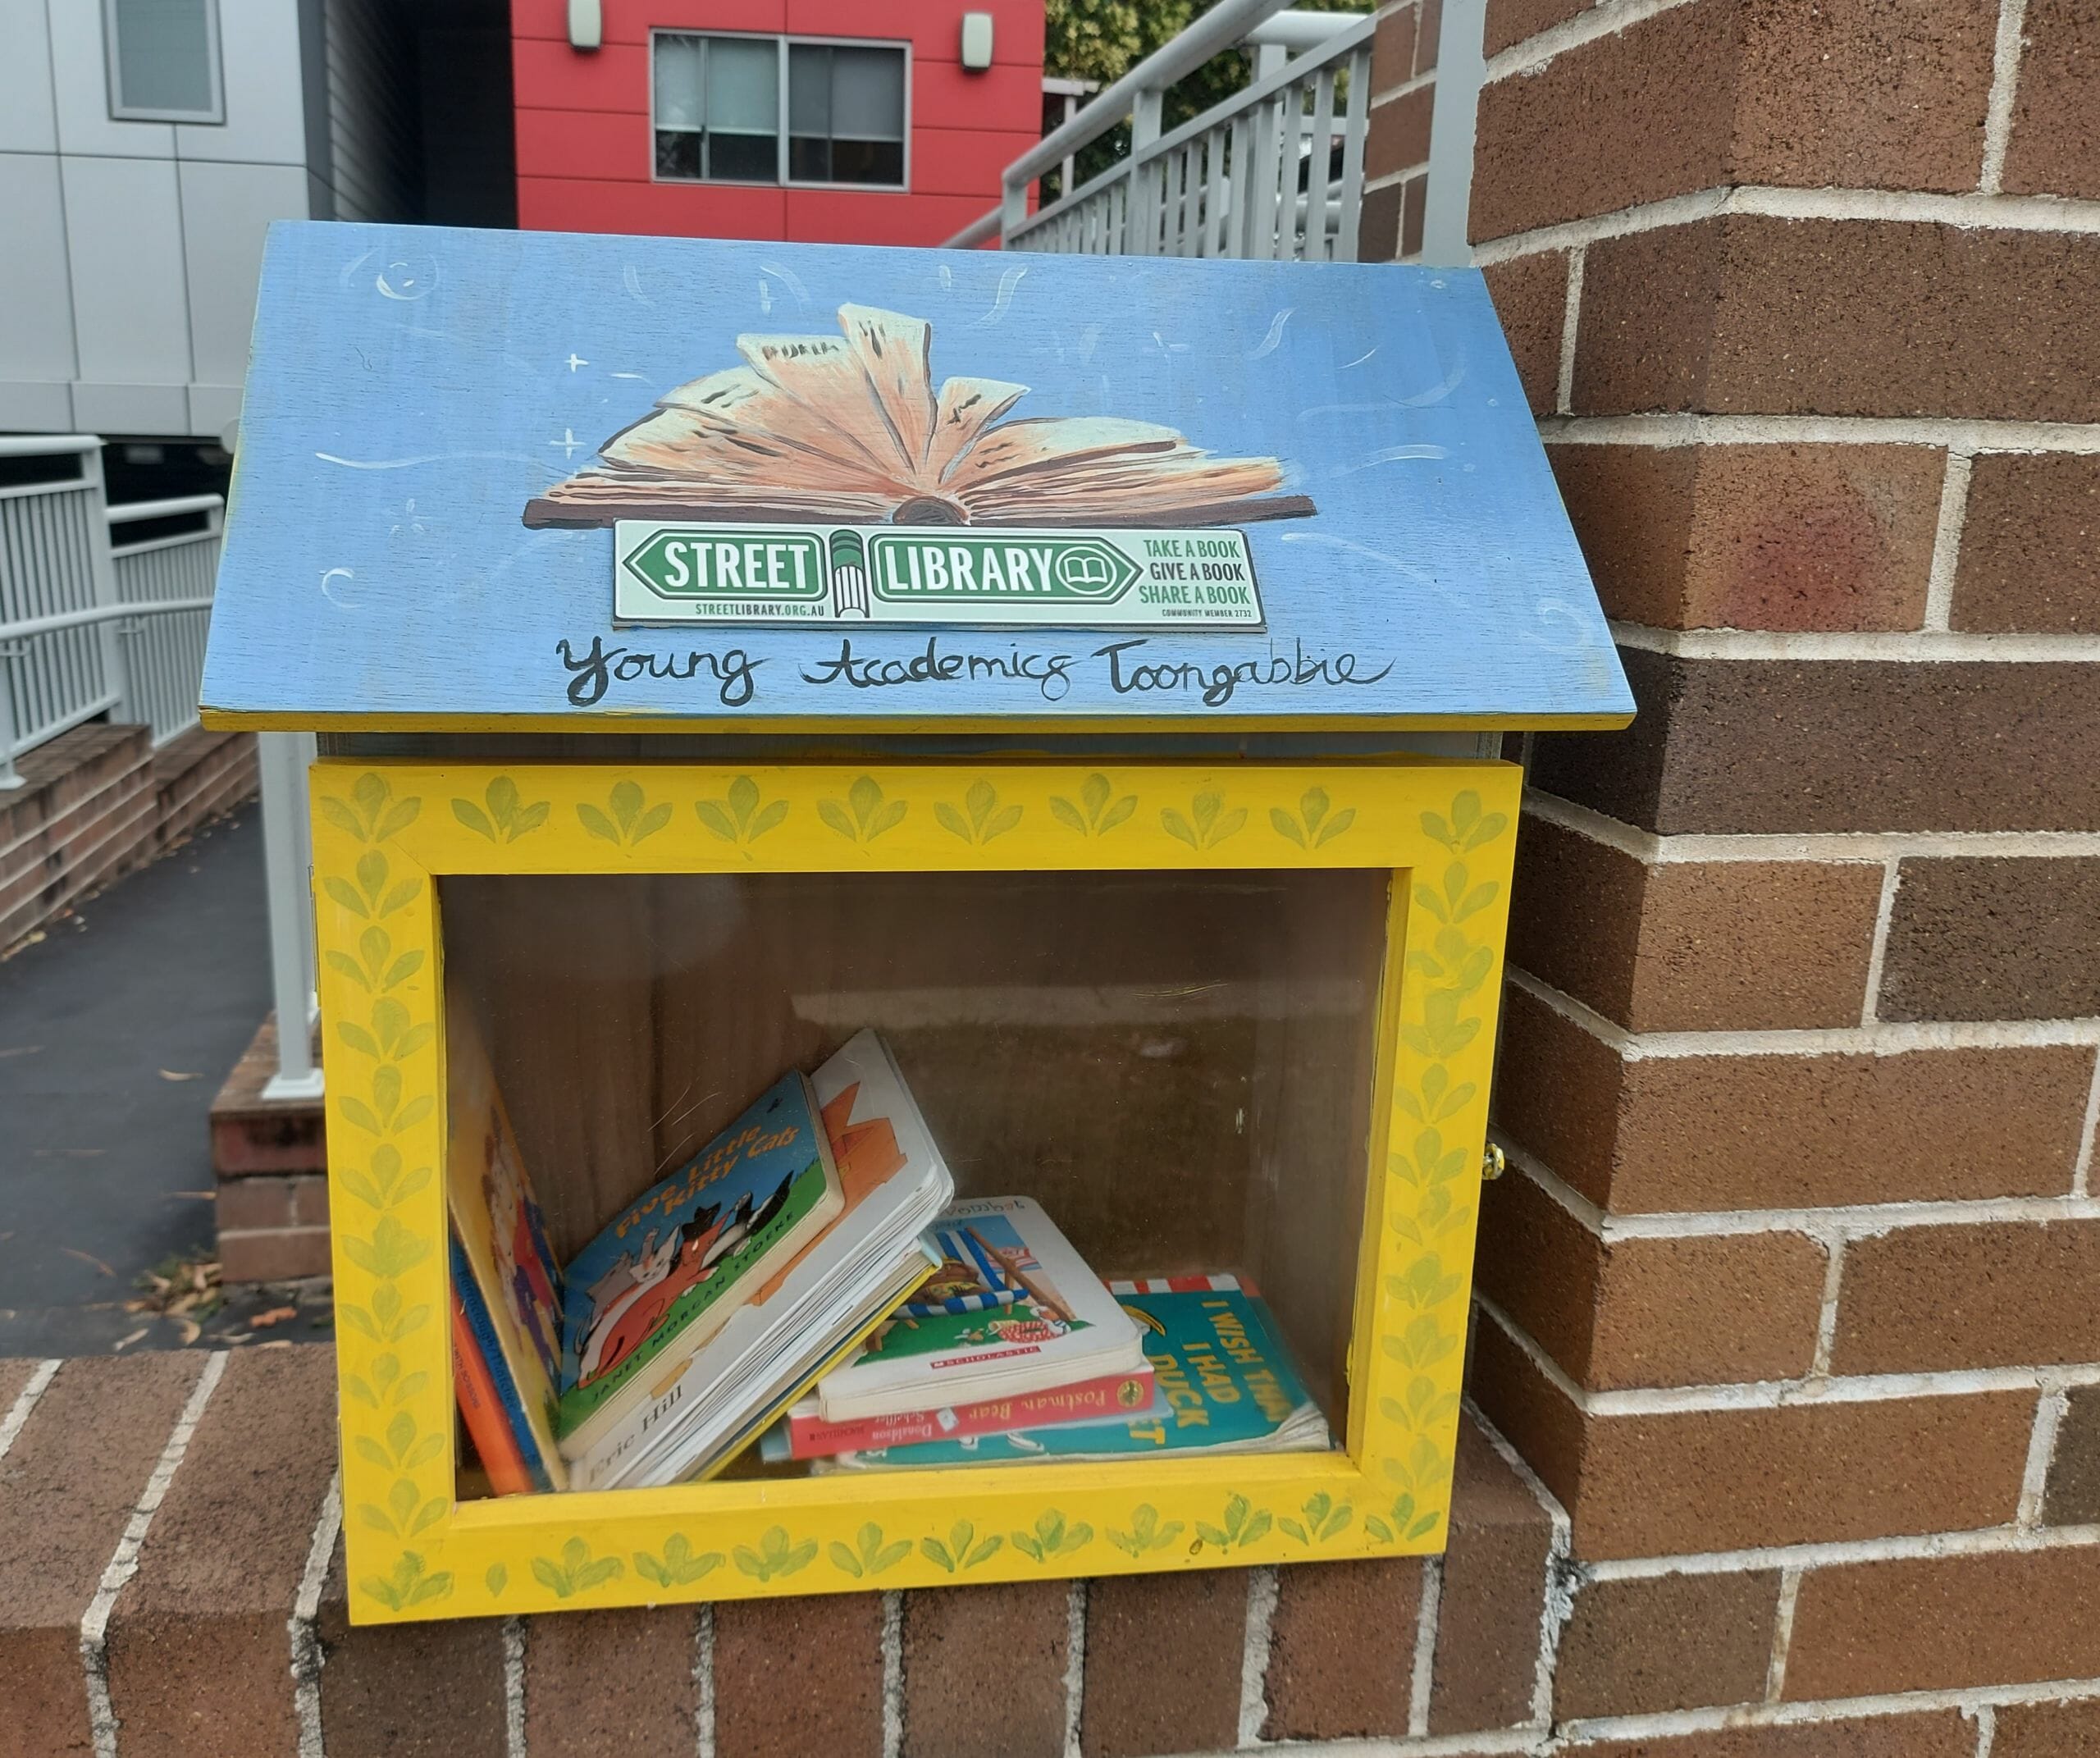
{"x":587,"y":24}
{"x":976,"y":41}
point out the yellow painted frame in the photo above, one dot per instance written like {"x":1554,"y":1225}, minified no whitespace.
{"x":383,"y":831}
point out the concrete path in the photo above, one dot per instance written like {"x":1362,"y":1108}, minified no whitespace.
{"x":116,"y":1029}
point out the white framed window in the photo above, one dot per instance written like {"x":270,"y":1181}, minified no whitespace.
{"x":163,"y":60}
{"x":801,"y":110}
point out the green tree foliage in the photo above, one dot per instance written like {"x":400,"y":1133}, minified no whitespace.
{"x":1102,"y":40}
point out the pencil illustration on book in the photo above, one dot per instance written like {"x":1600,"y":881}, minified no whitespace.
{"x":850,"y":429}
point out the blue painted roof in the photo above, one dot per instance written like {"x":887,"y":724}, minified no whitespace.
{"x":414,"y":391}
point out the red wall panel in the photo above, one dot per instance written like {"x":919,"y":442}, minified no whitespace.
{"x":553,"y":76}
{"x":585,"y":154}
{"x":670,"y":210}
{"x":834,"y":216}
{"x":585,"y":143}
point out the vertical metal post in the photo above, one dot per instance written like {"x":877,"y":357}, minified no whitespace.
{"x":1146,"y":208}
{"x":1461,"y":66}
{"x":1013,"y":208}
{"x":287,"y":857}
{"x":9,"y":777}
{"x":102,"y":561}
{"x":1071,"y":110}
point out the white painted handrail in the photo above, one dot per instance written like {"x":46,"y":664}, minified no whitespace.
{"x":1252,"y":176}
{"x":173,"y":507}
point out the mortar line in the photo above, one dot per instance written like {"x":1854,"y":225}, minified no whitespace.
{"x":1883,"y":1039}
{"x":1884,"y":913}
{"x":1846,"y":1553}
{"x":2041,"y":1456}
{"x":703,"y":1683}
{"x":1075,"y":1663}
{"x":1386,"y":179}
{"x":1414,"y":82}
{"x":1560,"y":1598}
{"x":1775,"y":1395}
{"x":124,"y":1561}
{"x":2081,"y":1172}
{"x":1826,"y":1313}
{"x":1909,"y":646}
{"x":308,"y":1658}
{"x":1606,"y":19}
{"x":1422,"y":1677}
{"x":1263,"y":1585}
{"x":25,"y":1401}
{"x":1570,"y":318}
{"x":892,"y":1673}
{"x":1825,"y":1226}
{"x":513,"y":1686}
{"x":1967,"y":210}
{"x":2005,"y":48}
{"x":1937,"y":432}
{"x":1783,"y":1634}
{"x":1569,"y":1740}
{"x":1986,"y":1729}
{"x":1667,"y":1724}
{"x":1519,"y":1743}
{"x":1948,"y":529}
{"x":1828,"y":848}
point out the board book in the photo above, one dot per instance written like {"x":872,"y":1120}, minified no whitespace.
{"x":666,"y":1274}
{"x":1225,"y":1382}
{"x":502,"y":1240}
{"x":488,"y":1398}
{"x":820,"y":1306}
{"x":1012,"y":1309}
{"x":1117,"y":1397}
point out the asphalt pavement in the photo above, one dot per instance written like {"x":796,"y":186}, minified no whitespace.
{"x":117,"y":1029}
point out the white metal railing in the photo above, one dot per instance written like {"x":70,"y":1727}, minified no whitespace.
{"x":1274,"y":172}
{"x":172,"y":571}
{"x":57,"y":662}
{"x":102,"y":609}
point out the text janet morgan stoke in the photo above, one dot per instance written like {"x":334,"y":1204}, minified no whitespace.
{"x":734,"y":673}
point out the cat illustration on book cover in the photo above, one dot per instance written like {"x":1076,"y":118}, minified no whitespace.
{"x":630,"y":1299}
{"x":850,"y":430}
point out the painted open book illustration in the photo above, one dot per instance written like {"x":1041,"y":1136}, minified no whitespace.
{"x":850,"y":430}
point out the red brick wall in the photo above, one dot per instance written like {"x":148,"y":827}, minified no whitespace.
{"x":1790,"y":1295}
{"x":171,"y":1582}
{"x":586,"y":153}
{"x":98,"y":800}
{"x":1396,"y":145}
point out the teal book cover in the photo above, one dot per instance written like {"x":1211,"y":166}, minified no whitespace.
{"x":667,"y":1272}
{"x":1225,"y":1383}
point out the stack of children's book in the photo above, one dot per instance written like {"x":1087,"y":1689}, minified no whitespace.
{"x":709,"y":1304}
{"x":805,"y":1278}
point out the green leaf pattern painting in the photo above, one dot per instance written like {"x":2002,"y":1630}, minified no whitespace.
{"x":741,"y":815}
{"x":1099,"y":810}
{"x":626,"y":819}
{"x":1434,"y":1173}
{"x":1209,"y":821}
{"x":386,"y":1091}
{"x":869,"y":1555}
{"x":979,"y":818}
{"x":503,"y":815}
{"x":865,"y":813}
{"x":401,"y":1440}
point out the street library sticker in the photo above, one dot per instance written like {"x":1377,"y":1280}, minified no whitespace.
{"x":872,"y":575}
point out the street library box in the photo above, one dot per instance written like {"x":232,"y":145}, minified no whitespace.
{"x":1090,"y":672}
